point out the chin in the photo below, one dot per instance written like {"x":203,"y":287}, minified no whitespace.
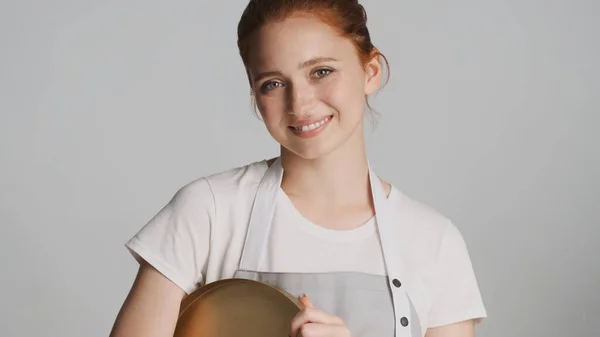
{"x":312,"y":151}
{"x":316,"y":144}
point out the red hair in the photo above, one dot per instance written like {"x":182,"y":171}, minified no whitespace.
{"x":348,"y":17}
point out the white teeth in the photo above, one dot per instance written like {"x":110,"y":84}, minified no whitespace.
{"x":312,"y":126}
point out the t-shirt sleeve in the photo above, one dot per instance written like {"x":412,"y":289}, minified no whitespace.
{"x":457,"y":297}
{"x":176,"y":240}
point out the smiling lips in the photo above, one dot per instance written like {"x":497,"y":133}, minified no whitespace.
{"x":312,"y":129}
{"x":312,"y":126}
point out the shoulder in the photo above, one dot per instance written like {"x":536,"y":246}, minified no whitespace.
{"x":423,"y":227}
{"x":417,"y":212}
{"x":248,"y":175}
{"x":436,"y":261}
{"x":237,"y":181}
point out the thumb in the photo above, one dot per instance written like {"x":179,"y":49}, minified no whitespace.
{"x":305,"y":301}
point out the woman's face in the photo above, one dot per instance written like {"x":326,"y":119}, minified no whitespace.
{"x":309,"y":85}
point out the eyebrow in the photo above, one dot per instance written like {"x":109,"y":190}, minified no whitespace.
{"x":302,"y":65}
{"x":316,"y":60}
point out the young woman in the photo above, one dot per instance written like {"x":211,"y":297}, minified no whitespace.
{"x":316,"y":219}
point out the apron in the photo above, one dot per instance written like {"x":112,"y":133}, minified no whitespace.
{"x":370,"y":305}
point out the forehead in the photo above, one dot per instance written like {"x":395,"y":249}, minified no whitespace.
{"x":296,"y":40}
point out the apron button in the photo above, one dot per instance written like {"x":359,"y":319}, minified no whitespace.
{"x":396,"y":283}
{"x":404,"y":321}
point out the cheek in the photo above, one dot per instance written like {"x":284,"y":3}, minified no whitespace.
{"x":271,"y":109}
{"x":346,"y":95}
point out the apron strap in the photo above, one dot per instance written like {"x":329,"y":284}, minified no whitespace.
{"x":392,"y":258}
{"x":261,"y":217}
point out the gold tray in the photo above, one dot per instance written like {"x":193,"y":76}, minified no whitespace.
{"x":237,"y":307}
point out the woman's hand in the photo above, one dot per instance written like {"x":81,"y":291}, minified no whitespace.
{"x":311,"y":322}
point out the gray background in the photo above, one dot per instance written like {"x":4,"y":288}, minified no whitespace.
{"x":108,"y":107}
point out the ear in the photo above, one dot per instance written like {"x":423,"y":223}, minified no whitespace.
{"x":373,"y":72}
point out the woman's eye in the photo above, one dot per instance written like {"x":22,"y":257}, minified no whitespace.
{"x":322,"y":73}
{"x":270,"y":85}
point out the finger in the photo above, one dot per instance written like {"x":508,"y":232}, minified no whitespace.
{"x":311,"y":315}
{"x":323,"y":330}
{"x":305,"y":301}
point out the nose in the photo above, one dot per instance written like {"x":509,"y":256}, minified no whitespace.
{"x":300,"y":100}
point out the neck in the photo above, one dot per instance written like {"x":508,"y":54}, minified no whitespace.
{"x":337,"y":179}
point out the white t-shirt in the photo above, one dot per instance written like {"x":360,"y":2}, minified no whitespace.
{"x":197,"y":238}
